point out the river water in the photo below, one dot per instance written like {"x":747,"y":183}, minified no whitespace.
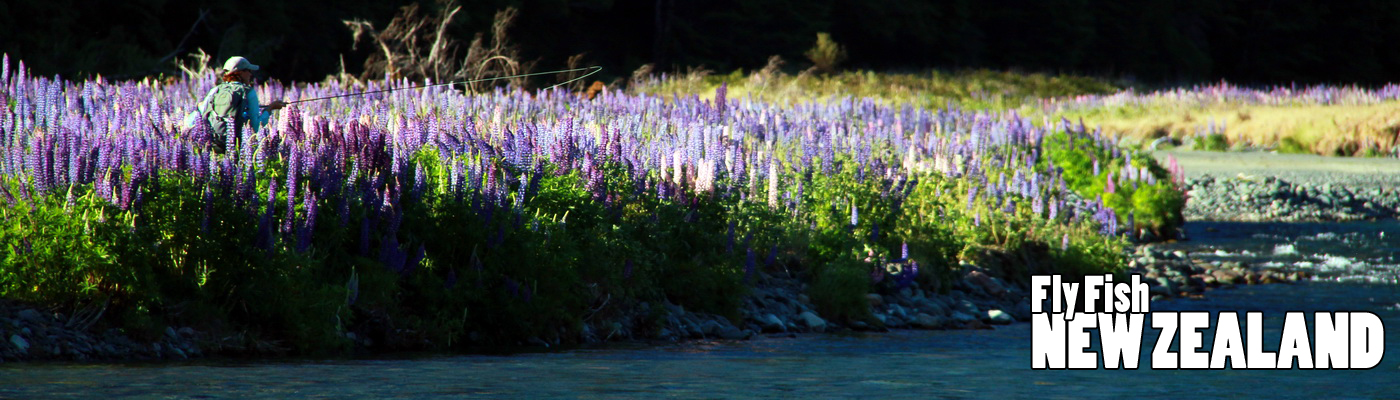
{"x":1356,"y":264}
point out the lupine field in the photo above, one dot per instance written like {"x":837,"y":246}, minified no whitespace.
{"x":466,"y":219}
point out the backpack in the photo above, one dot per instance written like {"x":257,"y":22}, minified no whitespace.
{"x":225,"y":113}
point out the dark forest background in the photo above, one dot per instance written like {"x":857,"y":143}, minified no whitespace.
{"x":1148,"y":41}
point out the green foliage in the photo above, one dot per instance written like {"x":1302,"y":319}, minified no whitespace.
{"x":1155,"y":207}
{"x":839,"y":288}
{"x":826,"y":54}
{"x":1213,"y":142}
{"x":60,"y":254}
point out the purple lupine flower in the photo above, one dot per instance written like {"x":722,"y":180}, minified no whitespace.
{"x":1038,"y":204}
{"x":855,"y":216}
{"x":1132,"y":225}
{"x":977,"y":219}
{"x":906,"y":275}
{"x":264,"y":236}
{"x":749,"y":263}
{"x":1109,"y":186}
{"x":729,"y":241}
{"x":451,"y":280}
{"x":720,"y":105}
{"x":414,"y":261}
{"x":971,"y":196}
{"x":308,"y":227}
{"x":352,"y":289}
{"x":512,"y":287}
{"x":904,"y":251}
{"x":208,"y":208}
{"x":364,"y":237}
{"x":1064,"y":243}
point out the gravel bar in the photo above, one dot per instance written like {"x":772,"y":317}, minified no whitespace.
{"x":1256,"y":186}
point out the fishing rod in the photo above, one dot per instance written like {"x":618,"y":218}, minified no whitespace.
{"x":591,"y":70}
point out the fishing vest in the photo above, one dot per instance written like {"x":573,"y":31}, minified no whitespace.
{"x":225,"y":113}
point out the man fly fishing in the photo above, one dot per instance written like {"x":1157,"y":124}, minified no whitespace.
{"x":231,"y":104}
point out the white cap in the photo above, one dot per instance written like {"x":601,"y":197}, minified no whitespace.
{"x":238,"y":62}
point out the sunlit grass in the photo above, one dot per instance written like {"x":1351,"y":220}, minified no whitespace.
{"x":968,"y":89}
{"x":1342,"y":130}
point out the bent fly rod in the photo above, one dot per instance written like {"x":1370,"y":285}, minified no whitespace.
{"x":591,"y":70}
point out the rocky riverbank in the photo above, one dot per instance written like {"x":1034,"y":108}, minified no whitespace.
{"x":978,"y":300}
{"x":31,"y":334}
{"x":777,"y":306}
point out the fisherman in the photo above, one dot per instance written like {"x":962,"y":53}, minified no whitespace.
{"x":231,"y":104}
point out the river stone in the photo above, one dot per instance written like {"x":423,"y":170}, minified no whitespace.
{"x":711,"y":328}
{"x":875,"y":300}
{"x":985,"y":282}
{"x":931,"y":306}
{"x":1167,"y":284}
{"x":20,"y":343}
{"x":733,"y":333}
{"x":771,"y":323}
{"x":898,"y":311}
{"x":693,"y":329}
{"x":30,"y":315}
{"x":894,"y":321}
{"x":927,"y":321}
{"x":998,"y":317}
{"x":962,"y":317}
{"x":1022,"y":311}
{"x":968,"y":307}
{"x":811,"y":320}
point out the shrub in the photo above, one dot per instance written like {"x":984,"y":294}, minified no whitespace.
{"x":826,"y":54}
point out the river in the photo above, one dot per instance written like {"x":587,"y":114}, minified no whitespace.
{"x":1356,"y":264}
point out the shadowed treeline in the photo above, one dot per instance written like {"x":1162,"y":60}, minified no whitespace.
{"x":1154,"y":41}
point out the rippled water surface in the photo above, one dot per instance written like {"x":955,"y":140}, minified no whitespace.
{"x":906,"y":364}
{"x":1345,"y":251}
